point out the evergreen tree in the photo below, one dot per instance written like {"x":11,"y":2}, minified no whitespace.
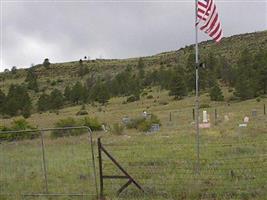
{"x":216,"y":93}
{"x":177,"y":85}
{"x":78,"y":93}
{"x":247,"y":83}
{"x":2,"y":101}
{"x":190,"y":72}
{"x":140,"y":67}
{"x":100,"y":93}
{"x":56,"y":99}
{"x":67,"y":93}
{"x":17,"y":101}
{"x":31,"y":79}
{"x":46,"y":63}
{"x":43,"y":103}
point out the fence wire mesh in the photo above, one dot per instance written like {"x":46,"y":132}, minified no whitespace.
{"x":167,"y":169}
{"x":47,"y":166}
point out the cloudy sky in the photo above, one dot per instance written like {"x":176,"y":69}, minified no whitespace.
{"x":69,"y":30}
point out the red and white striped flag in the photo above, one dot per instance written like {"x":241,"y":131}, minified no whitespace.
{"x":208,"y":19}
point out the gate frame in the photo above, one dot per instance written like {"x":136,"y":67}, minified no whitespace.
{"x":126,"y":176}
{"x":41,"y":132}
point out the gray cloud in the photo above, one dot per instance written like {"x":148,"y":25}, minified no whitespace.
{"x":65,"y":30}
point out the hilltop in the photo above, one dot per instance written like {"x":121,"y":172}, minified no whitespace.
{"x":230,"y":48}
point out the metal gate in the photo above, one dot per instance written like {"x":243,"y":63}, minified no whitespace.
{"x":43,"y":166}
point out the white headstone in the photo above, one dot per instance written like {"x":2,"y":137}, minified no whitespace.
{"x":226,"y":118}
{"x":205,"y":116}
{"x":145,"y":114}
{"x":246,"y":119}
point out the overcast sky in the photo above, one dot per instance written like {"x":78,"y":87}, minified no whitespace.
{"x":69,"y":30}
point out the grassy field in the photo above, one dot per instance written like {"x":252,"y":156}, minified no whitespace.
{"x":233,"y":160}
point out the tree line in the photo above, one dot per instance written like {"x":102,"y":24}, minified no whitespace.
{"x":248,"y":78}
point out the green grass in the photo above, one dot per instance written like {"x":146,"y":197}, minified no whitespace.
{"x":232,"y":159}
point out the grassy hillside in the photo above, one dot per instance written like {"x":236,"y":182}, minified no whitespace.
{"x":233,"y":159}
{"x":62,"y":74}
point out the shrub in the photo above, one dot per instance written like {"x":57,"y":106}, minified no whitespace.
{"x":132,"y":98}
{"x":53,"y":83}
{"x":93,"y":123}
{"x":149,"y":97}
{"x":216,"y":93}
{"x":258,"y":99}
{"x":18,"y":125}
{"x":82,"y":112}
{"x":67,"y":122}
{"x":204,"y":105}
{"x":143,"y":124}
{"x":117,"y":129}
{"x":163,"y":103}
{"x":135,"y":122}
{"x":144,"y":94}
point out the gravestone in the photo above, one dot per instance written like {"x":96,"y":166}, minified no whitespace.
{"x":205,"y":117}
{"x":246,"y":119}
{"x":226,"y":118}
{"x":126,"y":120}
{"x":254,"y":113}
{"x":154,"y":128}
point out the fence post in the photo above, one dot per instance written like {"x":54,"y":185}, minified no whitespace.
{"x":193,"y":112}
{"x":170,"y":116}
{"x":264,"y":109}
{"x":44,"y":162}
{"x":100,"y":168}
{"x":215,"y":116}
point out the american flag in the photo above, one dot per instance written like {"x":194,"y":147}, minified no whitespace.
{"x":208,"y":19}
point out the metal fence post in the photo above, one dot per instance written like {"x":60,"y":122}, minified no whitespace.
{"x":100,"y":168}
{"x":170,"y":116}
{"x":215,"y":116}
{"x":193,"y":112}
{"x":264,"y":109}
{"x":44,"y":162}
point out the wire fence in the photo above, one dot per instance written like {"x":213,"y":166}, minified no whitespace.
{"x":47,"y":166}
{"x":167,"y":170}
{"x":163,"y":164}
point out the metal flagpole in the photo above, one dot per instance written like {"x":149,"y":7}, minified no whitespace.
{"x":197,"y":91}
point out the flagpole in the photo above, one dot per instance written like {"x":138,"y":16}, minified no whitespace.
{"x":197,"y":90}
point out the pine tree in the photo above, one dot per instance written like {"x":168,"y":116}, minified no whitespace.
{"x":46,"y":63}
{"x":2,"y":101}
{"x":31,"y":79}
{"x":216,"y":93}
{"x":177,"y":85}
{"x":78,"y":93}
{"x":56,"y":99}
{"x":43,"y":103}
{"x":67,"y":93}
{"x":17,"y":101}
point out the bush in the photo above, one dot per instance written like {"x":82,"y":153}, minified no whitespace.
{"x":149,"y":97}
{"x":117,"y":129}
{"x":135,"y":122}
{"x":18,"y":125}
{"x":132,"y":98}
{"x":204,"y":105}
{"x":163,"y":103}
{"x":82,"y":112}
{"x":93,"y":123}
{"x":258,"y":99}
{"x":67,"y":122}
{"x":143,"y":124}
